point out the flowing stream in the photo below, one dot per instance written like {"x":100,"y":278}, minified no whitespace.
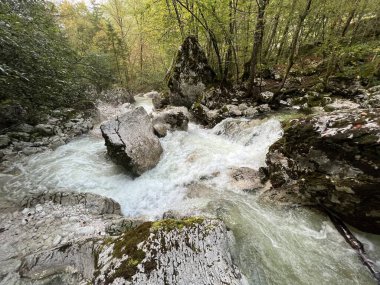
{"x":273,"y":245}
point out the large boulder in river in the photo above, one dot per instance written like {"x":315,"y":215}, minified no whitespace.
{"x":191,"y":74}
{"x":333,"y":159}
{"x":131,"y":142}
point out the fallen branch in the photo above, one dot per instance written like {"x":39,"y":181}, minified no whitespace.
{"x":353,"y":242}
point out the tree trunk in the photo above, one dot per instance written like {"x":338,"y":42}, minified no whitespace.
{"x":295,"y":41}
{"x":273,"y":34}
{"x":257,"y":46}
{"x":286,"y":30}
{"x":180,"y":24}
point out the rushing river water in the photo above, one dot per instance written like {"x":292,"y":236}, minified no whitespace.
{"x":274,"y":245}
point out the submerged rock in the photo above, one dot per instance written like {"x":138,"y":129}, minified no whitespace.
{"x":333,"y":159}
{"x":246,"y":179}
{"x":170,"y":119}
{"x":131,"y":142}
{"x":191,"y":74}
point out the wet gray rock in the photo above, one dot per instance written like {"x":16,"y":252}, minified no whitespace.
{"x":373,"y":97}
{"x":4,"y":141}
{"x":20,"y":136}
{"x":232,"y":110}
{"x":191,"y":75}
{"x":170,"y":119}
{"x":76,"y":260}
{"x":263,"y":108}
{"x":341,"y":104}
{"x":29,"y":150}
{"x":246,"y":179}
{"x":251,"y":112}
{"x":24,"y":128}
{"x":52,"y":242}
{"x":160,"y":100}
{"x":161,"y":130}
{"x":131,"y":142}
{"x":95,"y":204}
{"x":207,"y":116}
{"x":188,"y":251}
{"x":11,"y":114}
{"x":44,"y":129}
{"x":243,"y":107}
{"x":266,"y":97}
{"x":332,"y":159}
{"x":151,"y":94}
{"x":374,"y":100}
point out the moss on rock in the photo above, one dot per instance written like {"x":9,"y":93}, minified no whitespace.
{"x":171,"y":224}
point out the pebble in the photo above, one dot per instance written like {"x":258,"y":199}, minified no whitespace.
{"x":57,"y":240}
{"x":39,"y":208}
{"x":25,"y":211}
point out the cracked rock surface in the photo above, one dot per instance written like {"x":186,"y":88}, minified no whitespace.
{"x":181,"y":252}
{"x":333,"y":159}
{"x":50,"y":237}
{"x":131,"y":142}
{"x":77,"y":240}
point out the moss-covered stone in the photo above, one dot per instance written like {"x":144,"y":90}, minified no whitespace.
{"x":171,"y":224}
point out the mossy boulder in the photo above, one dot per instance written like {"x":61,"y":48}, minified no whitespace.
{"x":185,"y":251}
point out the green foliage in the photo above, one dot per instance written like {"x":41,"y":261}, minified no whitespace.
{"x":49,"y":55}
{"x":37,"y":66}
{"x":127,"y":245}
{"x":172,"y":224}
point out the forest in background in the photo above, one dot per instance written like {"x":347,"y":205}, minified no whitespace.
{"x":51,"y":53}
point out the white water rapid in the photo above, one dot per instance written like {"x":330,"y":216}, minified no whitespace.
{"x":274,"y":245}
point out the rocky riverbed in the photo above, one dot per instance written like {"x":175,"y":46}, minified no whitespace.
{"x":206,"y":179}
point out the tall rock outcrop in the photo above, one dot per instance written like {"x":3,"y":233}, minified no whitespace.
{"x":191,"y":74}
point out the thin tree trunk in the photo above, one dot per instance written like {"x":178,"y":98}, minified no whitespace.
{"x":257,"y":46}
{"x":273,"y":34}
{"x":295,"y":42}
{"x":348,"y":21}
{"x":286,"y":30}
{"x":180,"y":24}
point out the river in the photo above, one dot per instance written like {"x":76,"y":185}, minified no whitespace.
{"x":274,"y":245}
